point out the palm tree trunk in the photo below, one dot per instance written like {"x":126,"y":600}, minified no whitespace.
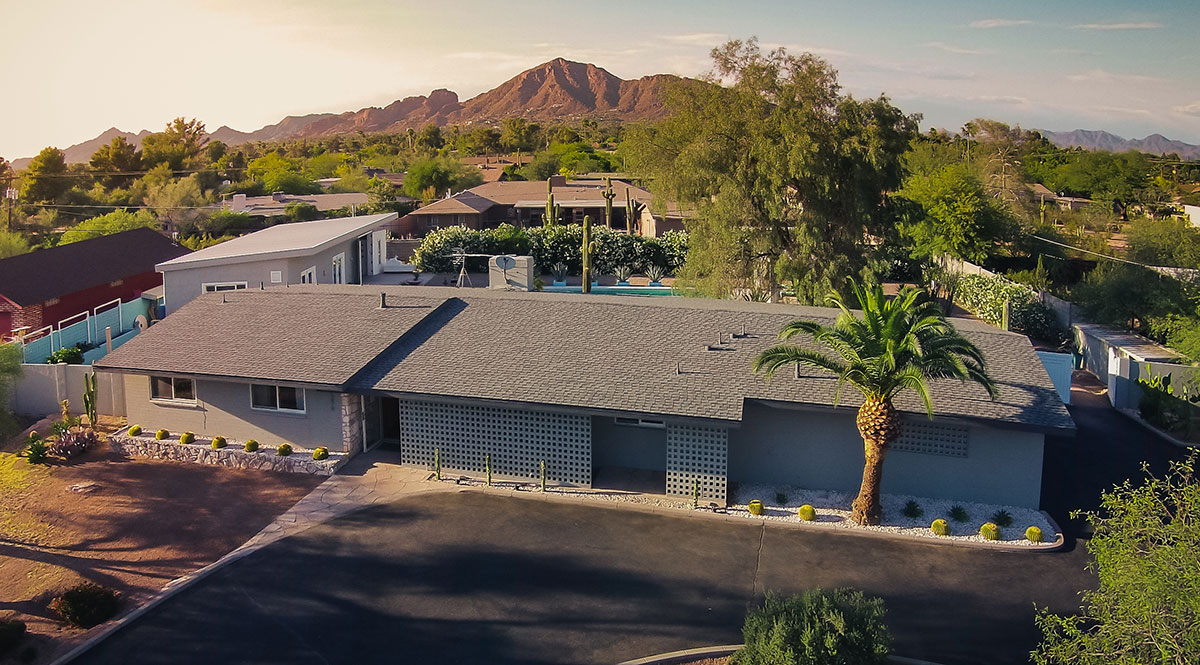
{"x":879,"y":424}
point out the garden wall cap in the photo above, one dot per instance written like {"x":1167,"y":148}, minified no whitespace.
{"x":603,"y":354}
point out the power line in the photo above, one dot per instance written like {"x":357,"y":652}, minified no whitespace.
{"x":1158,"y":269}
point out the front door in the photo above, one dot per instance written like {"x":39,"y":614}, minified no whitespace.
{"x":338,"y":275}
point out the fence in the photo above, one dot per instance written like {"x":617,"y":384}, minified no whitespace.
{"x":1120,"y":358}
{"x":86,"y":328}
{"x":1063,"y":309}
{"x":41,"y":389}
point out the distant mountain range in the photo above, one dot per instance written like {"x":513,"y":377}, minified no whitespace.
{"x":1155,"y":144}
{"x":557,"y":90}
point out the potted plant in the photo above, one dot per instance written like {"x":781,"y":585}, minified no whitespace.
{"x":559,"y":270}
{"x":655,"y":273}
{"x":622,"y":274}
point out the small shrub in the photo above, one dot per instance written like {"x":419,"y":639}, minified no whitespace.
{"x":816,"y":628}
{"x":74,"y":442}
{"x":284,"y":449}
{"x":1002,"y":519}
{"x":989,"y":531}
{"x":37,"y":450}
{"x":807,"y":513}
{"x":71,"y":355}
{"x":1033,"y":534}
{"x":940,"y":527}
{"x":959,"y":514}
{"x":781,"y":499}
{"x":11,"y":633}
{"x":136,"y":430}
{"x":161,"y":434}
{"x":755,"y":507}
{"x":187,"y":437}
{"x":321,"y":453}
{"x":912,"y":509}
{"x":250,"y":446}
{"x":86,"y":605}
{"x":219,"y":442}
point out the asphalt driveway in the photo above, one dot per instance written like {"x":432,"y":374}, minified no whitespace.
{"x":469,"y":578}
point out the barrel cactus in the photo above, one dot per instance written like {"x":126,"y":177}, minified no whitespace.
{"x":161,"y":434}
{"x":806,"y":513}
{"x":940,"y":527}
{"x":1033,"y":534}
{"x":755,"y":507}
{"x":136,"y":430}
{"x":250,"y":446}
{"x":321,"y":453}
{"x":187,"y":437}
{"x":219,"y":442}
{"x":990,"y":531}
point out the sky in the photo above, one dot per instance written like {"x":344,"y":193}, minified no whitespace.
{"x":73,"y":68}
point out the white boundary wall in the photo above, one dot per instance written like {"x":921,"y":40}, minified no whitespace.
{"x":41,"y":388}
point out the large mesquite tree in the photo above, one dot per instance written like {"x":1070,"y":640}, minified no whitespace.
{"x":783,"y":177}
{"x":897,"y":344}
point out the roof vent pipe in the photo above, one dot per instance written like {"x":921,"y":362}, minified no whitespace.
{"x":382,"y":300}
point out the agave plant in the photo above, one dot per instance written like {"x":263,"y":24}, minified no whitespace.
{"x":655,"y":272}
{"x":559,"y":270}
{"x":622,"y":273}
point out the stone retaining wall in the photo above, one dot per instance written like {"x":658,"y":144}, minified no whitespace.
{"x":231,"y":456}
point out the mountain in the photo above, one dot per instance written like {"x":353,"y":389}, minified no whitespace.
{"x":82,"y":152}
{"x":1156,"y":144}
{"x":557,"y":90}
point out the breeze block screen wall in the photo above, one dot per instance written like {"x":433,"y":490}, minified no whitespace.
{"x":697,"y":455}
{"x":517,"y":439}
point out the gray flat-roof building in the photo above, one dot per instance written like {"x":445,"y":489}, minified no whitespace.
{"x":329,"y":251}
{"x":595,"y":386}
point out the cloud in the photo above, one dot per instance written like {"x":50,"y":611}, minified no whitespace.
{"x":1072,"y":51}
{"x":950,"y":48}
{"x":1104,"y":76}
{"x":1188,"y":109}
{"x":1143,"y":25}
{"x":1124,"y":110}
{"x":998,"y":23}
{"x":698,"y":38}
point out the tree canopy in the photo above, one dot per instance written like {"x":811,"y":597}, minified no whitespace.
{"x":957,"y":217}
{"x":440,"y":173}
{"x":113,"y":222}
{"x":786,"y":174}
{"x":45,"y":180}
{"x":117,"y":156}
{"x":1146,"y":549}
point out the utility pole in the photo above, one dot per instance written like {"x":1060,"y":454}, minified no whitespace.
{"x":10,"y":195}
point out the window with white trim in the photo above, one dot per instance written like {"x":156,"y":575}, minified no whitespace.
{"x":276,"y":276}
{"x":268,"y":397}
{"x":919,"y":435}
{"x":212,"y":287}
{"x":172,"y":389}
{"x":309,"y":276}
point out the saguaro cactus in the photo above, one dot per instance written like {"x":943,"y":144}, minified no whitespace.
{"x":551,"y":210}
{"x":587,"y":254}
{"x":89,"y":398}
{"x":629,"y":212}
{"x":608,"y":195}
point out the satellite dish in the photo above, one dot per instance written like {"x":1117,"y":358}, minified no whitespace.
{"x":506,"y":263}
{"x":141,"y":322}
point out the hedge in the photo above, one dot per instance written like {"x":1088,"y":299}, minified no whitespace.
{"x":984,"y":296}
{"x":550,"y":245}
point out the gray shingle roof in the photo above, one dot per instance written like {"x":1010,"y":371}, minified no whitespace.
{"x":277,"y":335}
{"x":603,"y":353}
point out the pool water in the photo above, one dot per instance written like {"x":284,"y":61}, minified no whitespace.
{"x":615,"y":290}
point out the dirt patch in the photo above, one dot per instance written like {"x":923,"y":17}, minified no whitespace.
{"x":132,"y":525}
{"x":709,"y":661}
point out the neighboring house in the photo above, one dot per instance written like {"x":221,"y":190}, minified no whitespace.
{"x":347,"y":250}
{"x":601,"y":388}
{"x":1192,"y":214}
{"x":46,"y":286}
{"x":276,"y":204}
{"x":523,"y":203}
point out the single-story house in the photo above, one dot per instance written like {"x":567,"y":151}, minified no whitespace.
{"x":523,"y":203}
{"x":600,"y":388}
{"x":276,"y":204}
{"x":345,"y":250}
{"x":46,"y":286}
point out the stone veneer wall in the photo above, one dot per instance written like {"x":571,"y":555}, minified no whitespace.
{"x":231,"y":456}
{"x":352,"y":423}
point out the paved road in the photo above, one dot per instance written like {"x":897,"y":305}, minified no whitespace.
{"x":467,"y":578}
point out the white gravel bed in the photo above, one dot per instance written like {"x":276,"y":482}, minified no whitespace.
{"x":833,"y":511}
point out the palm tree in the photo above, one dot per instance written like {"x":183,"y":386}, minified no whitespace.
{"x":898,"y":344}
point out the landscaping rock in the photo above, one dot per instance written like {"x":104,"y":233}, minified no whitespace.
{"x":234,"y":457}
